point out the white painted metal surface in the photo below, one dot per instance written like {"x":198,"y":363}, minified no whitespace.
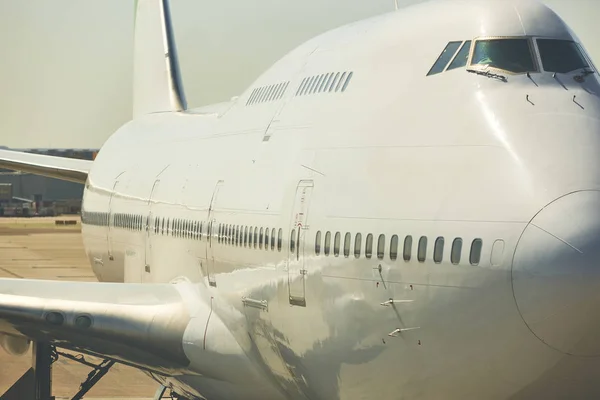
{"x":512,"y":162}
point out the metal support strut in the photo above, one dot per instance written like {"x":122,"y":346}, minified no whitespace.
{"x":36,"y":383}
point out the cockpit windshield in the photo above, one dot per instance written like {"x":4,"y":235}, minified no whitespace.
{"x":561,"y":56}
{"x":511,"y":55}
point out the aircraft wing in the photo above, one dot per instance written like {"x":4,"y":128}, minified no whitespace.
{"x":68,"y":169}
{"x":144,"y":325}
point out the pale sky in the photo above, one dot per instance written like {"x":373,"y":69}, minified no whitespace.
{"x":66,"y":65}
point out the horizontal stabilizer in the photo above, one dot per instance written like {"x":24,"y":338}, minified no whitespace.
{"x":67,"y":169}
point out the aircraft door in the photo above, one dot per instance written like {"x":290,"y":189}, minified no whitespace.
{"x":296,"y":258}
{"x":211,"y":236}
{"x":110,"y":227}
{"x":150,"y":229}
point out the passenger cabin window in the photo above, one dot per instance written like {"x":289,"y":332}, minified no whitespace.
{"x":444,"y":58}
{"x":347,"y":239}
{"x":261,"y":238}
{"x":456,"y":251}
{"x":357,"y":245}
{"x":438,"y":250}
{"x":369,"y":246}
{"x":511,"y":55}
{"x":327,"y":243}
{"x":293,"y":241}
{"x":394,"y":248}
{"x":347,"y":81}
{"x":561,"y":56}
{"x":273,"y":239}
{"x":381,"y":247}
{"x":461,"y":57}
{"x":318,"y":243}
{"x":336,"y":244}
{"x":475,"y":256}
{"x":407,"y":252}
{"x":279,"y":239}
{"x":266,"y":238}
{"x":422,"y":250}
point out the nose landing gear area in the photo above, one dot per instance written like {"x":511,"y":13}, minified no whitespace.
{"x":556,"y":274}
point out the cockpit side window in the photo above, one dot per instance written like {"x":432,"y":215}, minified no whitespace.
{"x":444,"y":58}
{"x":461,"y":57}
{"x":561,"y":56}
{"x":511,"y":55}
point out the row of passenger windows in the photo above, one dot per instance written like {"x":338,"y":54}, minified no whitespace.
{"x":332,"y":81}
{"x":394,"y":247}
{"x":267,"y":93}
{"x":94,"y":218}
{"x":272,"y":238}
{"x":250,"y":236}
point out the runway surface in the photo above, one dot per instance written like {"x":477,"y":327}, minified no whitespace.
{"x":36,"y":248}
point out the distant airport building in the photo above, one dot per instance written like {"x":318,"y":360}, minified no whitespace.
{"x":23,"y":194}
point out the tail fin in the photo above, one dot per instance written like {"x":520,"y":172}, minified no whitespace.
{"x":156,"y":81}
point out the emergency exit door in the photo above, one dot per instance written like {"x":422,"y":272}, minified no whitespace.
{"x":296,"y":257}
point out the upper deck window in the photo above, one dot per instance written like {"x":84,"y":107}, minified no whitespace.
{"x":561,"y":56}
{"x":511,"y":55}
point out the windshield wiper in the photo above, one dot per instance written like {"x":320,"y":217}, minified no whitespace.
{"x":488,"y":74}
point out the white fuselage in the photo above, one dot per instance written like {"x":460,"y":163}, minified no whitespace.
{"x":453,"y":155}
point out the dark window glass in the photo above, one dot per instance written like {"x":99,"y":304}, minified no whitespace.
{"x":251,"y":238}
{"x":475,"y":256}
{"x":357,"y":245}
{"x":255,"y":236}
{"x":456,"y":251}
{"x":261,"y":238}
{"x":325,"y":77}
{"x":347,"y":240}
{"x":444,"y":58}
{"x":273,"y":239}
{"x":266,"y":238}
{"x":561,"y":56}
{"x":381,"y":247}
{"x":394,"y":248}
{"x":327,"y":243}
{"x":318,"y":243}
{"x":339,"y":84}
{"x":245,"y":236}
{"x":313,"y":81}
{"x":347,"y":81}
{"x":279,"y":239}
{"x":438,"y":250}
{"x":513,"y":55}
{"x":462,"y":57}
{"x":328,"y":81}
{"x":293,"y":241}
{"x":301,"y":86}
{"x":317,"y":84}
{"x":369,"y":246}
{"x":334,"y":82}
{"x":422,"y":250}
{"x":336,"y":244}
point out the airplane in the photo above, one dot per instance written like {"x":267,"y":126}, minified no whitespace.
{"x":405,"y":207}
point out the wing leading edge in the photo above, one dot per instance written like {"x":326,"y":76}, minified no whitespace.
{"x":68,"y":169}
{"x":149,"y":326}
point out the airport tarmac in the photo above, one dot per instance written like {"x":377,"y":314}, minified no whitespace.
{"x":37,"y":248}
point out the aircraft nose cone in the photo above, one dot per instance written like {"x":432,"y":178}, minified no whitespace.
{"x":556,"y":274}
